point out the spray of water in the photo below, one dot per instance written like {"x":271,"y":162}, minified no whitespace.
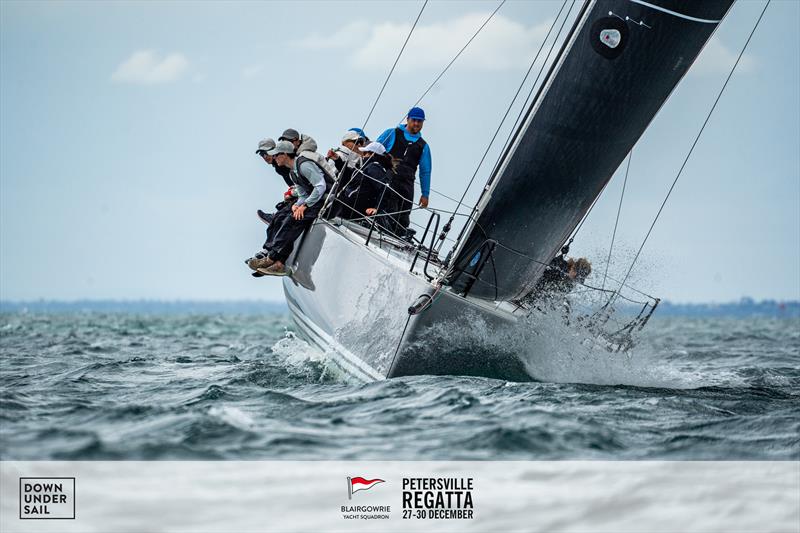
{"x":551,"y":348}
{"x":555,"y":349}
{"x":299,"y":357}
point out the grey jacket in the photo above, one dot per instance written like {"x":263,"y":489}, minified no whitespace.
{"x":307,"y":144}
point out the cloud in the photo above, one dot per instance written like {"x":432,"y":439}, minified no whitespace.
{"x":147,"y":67}
{"x":503,"y":44}
{"x":716,"y":58}
{"x":348,"y":36}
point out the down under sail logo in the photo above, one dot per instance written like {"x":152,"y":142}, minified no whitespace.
{"x":355,"y":484}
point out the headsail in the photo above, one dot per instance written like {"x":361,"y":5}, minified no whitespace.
{"x":620,"y":63}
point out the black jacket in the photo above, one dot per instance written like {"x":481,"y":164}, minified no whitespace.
{"x":554,"y":281}
{"x":284,"y":173}
{"x":367,"y":188}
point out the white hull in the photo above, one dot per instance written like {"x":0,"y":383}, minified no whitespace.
{"x":351,"y":300}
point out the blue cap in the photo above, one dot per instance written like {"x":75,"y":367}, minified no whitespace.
{"x":360,"y":132}
{"x":416,"y":113}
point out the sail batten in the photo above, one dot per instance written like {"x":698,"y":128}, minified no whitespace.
{"x":618,"y":66}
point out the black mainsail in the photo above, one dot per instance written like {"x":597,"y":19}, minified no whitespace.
{"x":618,"y":66}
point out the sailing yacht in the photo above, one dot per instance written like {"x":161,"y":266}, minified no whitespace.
{"x":381,"y":307}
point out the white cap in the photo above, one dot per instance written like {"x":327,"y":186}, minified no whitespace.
{"x":374,"y":147}
{"x":350,"y":136}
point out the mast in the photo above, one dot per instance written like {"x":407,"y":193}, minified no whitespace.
{"x":501,"y":162}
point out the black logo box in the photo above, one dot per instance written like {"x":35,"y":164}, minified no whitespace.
{"x":74,"y":492}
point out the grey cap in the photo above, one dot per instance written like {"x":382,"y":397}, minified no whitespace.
{"x":283,"y":147}
{"x":266,"y":145}
{"x":289,"y":135}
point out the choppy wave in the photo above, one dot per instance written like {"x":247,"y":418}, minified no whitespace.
{"x":117,"y":386}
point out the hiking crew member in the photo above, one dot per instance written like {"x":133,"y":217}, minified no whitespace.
{"x":362,"y":137}
{"x":312,"y":184}
{"x":346,"y":159}
{"x":283,"y":209}
{"x":375,"y":192}
{"x":558,"y":279}
{"x":301,"y":143}
{"x":306,"y":146}
{"x":263,"y":148}
{"x":289,"y":196}
{"x":368,"y":186}
{"x":405,"y":144}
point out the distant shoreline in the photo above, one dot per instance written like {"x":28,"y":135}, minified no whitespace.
{"x":745,"y":307}
{"x":145,"y":306}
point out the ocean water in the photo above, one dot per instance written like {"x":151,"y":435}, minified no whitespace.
{"x":94,"y":386}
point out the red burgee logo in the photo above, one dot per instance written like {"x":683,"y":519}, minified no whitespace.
{"x":355,"y":484}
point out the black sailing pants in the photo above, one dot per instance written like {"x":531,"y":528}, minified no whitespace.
{"x":405,"y":188}
{"x":290,"y":230}
{"x":278,"y":219}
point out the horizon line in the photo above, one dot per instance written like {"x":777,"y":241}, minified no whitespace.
{"x":3,"y":301}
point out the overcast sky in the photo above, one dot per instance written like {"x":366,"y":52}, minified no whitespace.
{"x":128,"y":129}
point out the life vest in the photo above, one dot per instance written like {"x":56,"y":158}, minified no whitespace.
{"x":408,"y":153}
{"x":301,"y":180}
{"x":327,"y":168}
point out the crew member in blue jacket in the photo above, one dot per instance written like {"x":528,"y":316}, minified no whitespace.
{"x":405,"y":144}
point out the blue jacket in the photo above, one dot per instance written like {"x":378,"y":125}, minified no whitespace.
{"x":387,"y":140}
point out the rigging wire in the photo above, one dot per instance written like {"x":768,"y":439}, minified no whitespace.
{"x":505,"y":116}
{"x":525,"y":107}
{"x":697,"y":138}
{"x":616,"y":222}
{"x":458,"y":54}
{"x":446,"y":68}
{"x":474,"y":212}
{"x":513,"y":100}
{"x":394,"y":65}
{"x":329,"y":203}
{"x":522,"y":111}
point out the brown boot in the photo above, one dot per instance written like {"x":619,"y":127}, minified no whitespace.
{"x":276,"y":269}
{"x":263,"y":262}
